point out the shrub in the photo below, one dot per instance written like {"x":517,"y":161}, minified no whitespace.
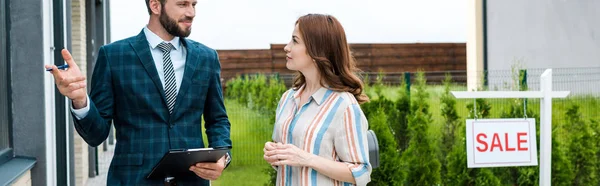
{"x":420,"y":158}
{"x":582,"y":148}
{"x":456,"y":162}
{"x":388,"y":173}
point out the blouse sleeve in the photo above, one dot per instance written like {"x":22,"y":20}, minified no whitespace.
{"x":351,"y":144}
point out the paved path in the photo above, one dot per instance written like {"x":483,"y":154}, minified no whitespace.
{"x":104,"y":158}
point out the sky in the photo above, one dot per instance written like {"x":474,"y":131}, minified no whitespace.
{"x":255,"y":24}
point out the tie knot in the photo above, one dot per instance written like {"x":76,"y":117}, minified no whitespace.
{"x":165,"y":47}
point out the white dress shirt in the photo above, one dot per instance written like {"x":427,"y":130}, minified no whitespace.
{"x":178,"y":56}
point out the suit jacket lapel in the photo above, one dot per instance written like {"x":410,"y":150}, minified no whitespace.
{"x":142,"y":49}
{"x":191,"y":62}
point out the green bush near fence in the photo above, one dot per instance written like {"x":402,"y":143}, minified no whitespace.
{"x":261,"y":94}
{"x":249,"y":131}
{"x":422,"y":133}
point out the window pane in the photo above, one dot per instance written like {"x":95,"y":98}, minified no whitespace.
{"x":4,"y":133}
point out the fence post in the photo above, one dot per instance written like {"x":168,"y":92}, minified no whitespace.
{"x":523,"y":79}
{"x":523,"y":83}
{"x":407,"y":81}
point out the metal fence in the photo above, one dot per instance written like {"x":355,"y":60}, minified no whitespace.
{"x":584,"y":84}
{"x":251,"y":128}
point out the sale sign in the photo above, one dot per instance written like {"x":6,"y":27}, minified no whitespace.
{"x":501,"y":142}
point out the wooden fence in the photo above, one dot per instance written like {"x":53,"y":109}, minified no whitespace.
{"x":434,"y":58}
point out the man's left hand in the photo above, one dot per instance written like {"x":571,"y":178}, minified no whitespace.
{"x":209,"y":171}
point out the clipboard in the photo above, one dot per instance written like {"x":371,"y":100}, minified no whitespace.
{"x":176,"y":163}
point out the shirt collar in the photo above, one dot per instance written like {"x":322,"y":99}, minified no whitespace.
{"x":154,"y":40}
{"x":319,"y":96}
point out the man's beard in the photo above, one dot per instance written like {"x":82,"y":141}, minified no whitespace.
{"x":171,"y":26}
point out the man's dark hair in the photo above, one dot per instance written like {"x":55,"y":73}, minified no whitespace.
{"x":162,"y":4}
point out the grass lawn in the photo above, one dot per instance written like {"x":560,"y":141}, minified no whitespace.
{"x":249,"y":132}
{"x":243,"y":175}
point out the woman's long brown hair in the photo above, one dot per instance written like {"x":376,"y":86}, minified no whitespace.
{"x":326,"y":43}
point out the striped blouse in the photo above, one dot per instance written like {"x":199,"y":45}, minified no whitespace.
{"x":331,"y":125}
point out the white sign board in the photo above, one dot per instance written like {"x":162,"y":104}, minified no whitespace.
{"x":501,"y":142}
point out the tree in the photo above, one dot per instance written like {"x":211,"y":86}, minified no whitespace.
{"x":582,"y":148}
{"x":596,"y":126}
{"x":456,"y":161}
{"x":399,"y":118}
{"x":388,"y":173}
{"x":562,"y":171}
{"x":451,"y":123}
{"x":420,"y":158}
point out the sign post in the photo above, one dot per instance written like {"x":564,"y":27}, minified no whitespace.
{"x":546,"y":94}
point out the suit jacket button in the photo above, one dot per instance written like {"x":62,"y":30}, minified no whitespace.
{"x":170,"y":126}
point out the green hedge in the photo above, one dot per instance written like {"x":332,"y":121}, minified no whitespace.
{"x":421,"y":146}
{"x":257,"y":92}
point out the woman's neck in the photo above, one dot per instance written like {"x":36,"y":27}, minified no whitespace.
{"x":312,"y":81}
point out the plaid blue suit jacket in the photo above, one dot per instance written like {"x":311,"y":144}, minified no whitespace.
{"x":127,"y":92}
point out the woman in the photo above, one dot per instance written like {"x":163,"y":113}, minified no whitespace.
{"x":320,"y":131}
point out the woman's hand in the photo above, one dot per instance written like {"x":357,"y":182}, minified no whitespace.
{"x":289,"y":154}
{"x":269,"y":146}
